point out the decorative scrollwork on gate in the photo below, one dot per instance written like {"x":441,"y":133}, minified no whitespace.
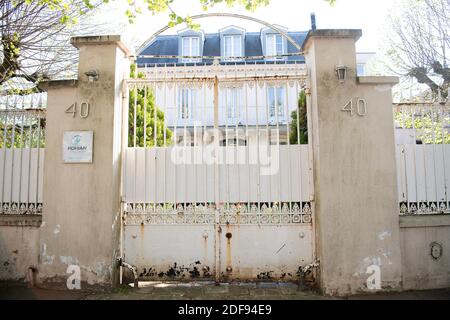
{"x":410,"y":208}
{"x":228,"y":213}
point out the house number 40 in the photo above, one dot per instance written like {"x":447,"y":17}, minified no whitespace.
{"x":84,"y":109}
{"x":356,"y":105}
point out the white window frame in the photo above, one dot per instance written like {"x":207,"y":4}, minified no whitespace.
{"x":232,"y":102}
{"x":272,"y":50}
{"x":191,"y":51}
{"x":186,"y":103}
{"x":232,"y":37}
{"x":274,"y":105}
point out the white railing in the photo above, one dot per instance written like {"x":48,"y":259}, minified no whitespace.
{"x":22,"y":142}
{"x":423,"y":157}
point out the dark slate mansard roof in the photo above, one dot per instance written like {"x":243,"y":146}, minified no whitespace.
{"x":168,"y":45}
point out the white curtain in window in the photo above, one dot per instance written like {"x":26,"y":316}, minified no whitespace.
{"x":232,"y":46}
{"x":233,"y":102}
{"x":186,"y":103}
{"x":190,"y":47}
{"x":276,"y":96}
{"x":274,"y":44}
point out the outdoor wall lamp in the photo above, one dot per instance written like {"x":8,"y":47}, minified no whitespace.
{"x":92,"y":75}
{"x":341,"y":73}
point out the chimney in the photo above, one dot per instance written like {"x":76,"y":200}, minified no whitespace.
{"x":313,"y":21}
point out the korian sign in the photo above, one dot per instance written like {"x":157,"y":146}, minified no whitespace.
{"x":77,"y":146}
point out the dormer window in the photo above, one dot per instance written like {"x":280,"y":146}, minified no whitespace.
{"x":232,"y":43}
{"x":274,"y":45}
{"x":273,"y":42}
{"x":232,"y":46}
{"x":190,"y":48}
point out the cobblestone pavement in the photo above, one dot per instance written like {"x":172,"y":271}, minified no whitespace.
{"x":203,"y":291}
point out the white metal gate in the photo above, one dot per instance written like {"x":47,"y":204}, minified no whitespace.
{"x":22,"y":141}
{"x":220,"y":190}
{"x":422,"y":132}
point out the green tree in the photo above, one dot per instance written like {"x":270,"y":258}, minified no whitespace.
{"x":429,"y":126}
{"x":144,"y":100}
{"x":153,"y":6}
{"x":301,"y":125}
{"x":25,"y":134}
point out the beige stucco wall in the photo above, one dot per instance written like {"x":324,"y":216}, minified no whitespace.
{"x":420,"y":269}
{"x":19,"y":246}
{"x":354,"y":169}
{"x":82,"y":201}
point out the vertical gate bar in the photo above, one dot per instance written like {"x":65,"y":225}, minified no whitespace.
{"x":5,"y":126}
{"x":165,"y":107}
{"x":278,"y":146}
{"x":434,"y":154}
{"x":227,"y":166}
{"x":288,"y":143}
{"x":412,"y":111}
{"x":236,"y":134}
{"x":247,"y":138}
{"x":297,"y":92}
{"x":186,"y":105}
{"x":216,"y":139}
{"x":21,"y":152}
{"x":258,"y":190}
{"x":178,"y":92}
{"x":446,"y":187}
{"x":13,"y":137}
{"x":204,"y":120}
{"x":152,"y":87}
{"x":193,"y":148}
{"x":145,"y":111}
{"x":192,"y":157}
{"x":422,"y":117}
{"x":268,"y":135}
{"x":217,"y":229}
{"x":164,"y":137}
{"x":154,"y":93}
{"x":300,"y":166}
{"x":145,"y":141}
{"x":30,"y":142}
{"x":134,"y":147}
{"x":408,"y":205}
{"x":38,"y":153}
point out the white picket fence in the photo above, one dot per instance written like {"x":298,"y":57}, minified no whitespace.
{"x":423,"y":158}
{"x":22,"y":136}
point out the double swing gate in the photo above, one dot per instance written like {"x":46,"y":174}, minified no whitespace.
{"x":216,"y":182}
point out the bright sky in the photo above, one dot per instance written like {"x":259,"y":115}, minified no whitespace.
{"x":368,"y":15}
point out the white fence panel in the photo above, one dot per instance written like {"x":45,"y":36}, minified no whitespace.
{"x":152,"y":176}
{"x":21,"y":178}
{"x":422,"y":133}
{"x":423,"y":175}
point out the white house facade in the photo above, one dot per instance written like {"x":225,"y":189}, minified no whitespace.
{"x":232,"y":53}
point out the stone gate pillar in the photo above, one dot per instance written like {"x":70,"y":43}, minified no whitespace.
{"x":351,"y":128}
{"x":81,"y":215}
